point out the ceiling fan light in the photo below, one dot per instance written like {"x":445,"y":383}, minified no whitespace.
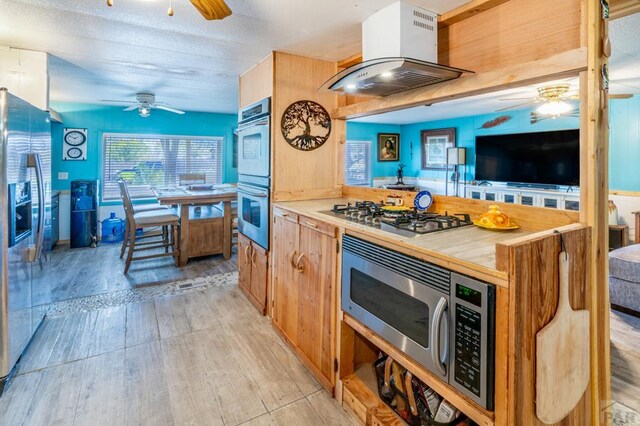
{"x":554,"y":108}
{"x":109,"y":3}
{"x":144,"y":111}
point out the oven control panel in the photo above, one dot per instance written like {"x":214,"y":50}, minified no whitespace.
{"x":468,"y":354}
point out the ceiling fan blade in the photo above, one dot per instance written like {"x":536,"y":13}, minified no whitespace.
{"x":515,"y":106}
{"x":519,"y":99}
{"x":167,"y":108}
{"x":212,"y":9}
{"x":131,"y":108}
{"x":620,"y":96}
{"x":118,"y":101}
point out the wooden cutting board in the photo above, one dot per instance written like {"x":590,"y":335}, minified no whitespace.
{"x":562,"y":356}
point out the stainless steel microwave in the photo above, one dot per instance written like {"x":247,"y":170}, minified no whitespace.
{"x":443,"y":320}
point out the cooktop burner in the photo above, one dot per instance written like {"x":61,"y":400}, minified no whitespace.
{"x":409,"y":222}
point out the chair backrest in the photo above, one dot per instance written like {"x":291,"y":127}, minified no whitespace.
{"x":191,"y":178}
{"x":126,"y":200}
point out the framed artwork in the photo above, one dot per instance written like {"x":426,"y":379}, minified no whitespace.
{"x":388,"y":146}
{"x":434,"y":147}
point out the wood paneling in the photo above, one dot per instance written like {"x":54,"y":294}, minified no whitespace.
{"x":257,"y":83}
{"x":244,"y":263}
{"x":206,"y":236}
{"x":285,"y":292}
{"x":622,"y":8}
{"x":515,"y":32}
{"x":304,"y":277}
{"x":467,"y":11}
{"x":561,"y":65}
{"x":298,"y":173}
{"x":533,"y":298}
{"x":594,"y":188}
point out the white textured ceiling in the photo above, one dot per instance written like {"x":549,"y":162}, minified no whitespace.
{"x":102,"y":52}
{"x":624,"y":73}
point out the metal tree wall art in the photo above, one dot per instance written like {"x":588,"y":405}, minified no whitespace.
{"x":306,"y":125}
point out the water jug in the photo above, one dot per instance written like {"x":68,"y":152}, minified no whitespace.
{"x":112,"y":229}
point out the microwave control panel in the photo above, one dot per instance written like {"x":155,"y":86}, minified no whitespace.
{"x":468,"y":348}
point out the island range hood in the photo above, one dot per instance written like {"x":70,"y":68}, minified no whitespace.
{"x":399,"y":52}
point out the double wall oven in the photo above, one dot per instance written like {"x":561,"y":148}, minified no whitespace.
{"x":443,"y":320}
{"x":254,"y":171}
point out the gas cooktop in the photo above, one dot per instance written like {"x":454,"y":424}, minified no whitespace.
{"x":409,"y":222}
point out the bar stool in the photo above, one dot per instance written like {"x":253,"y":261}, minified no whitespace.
{"x":148,"y":219}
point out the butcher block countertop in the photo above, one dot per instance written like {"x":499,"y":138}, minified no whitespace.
{"x":469,"y":250}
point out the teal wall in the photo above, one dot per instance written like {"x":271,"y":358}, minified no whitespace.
{"x":624,"y":144}
{"x":99,"y":119}
{"x":467,"y":128}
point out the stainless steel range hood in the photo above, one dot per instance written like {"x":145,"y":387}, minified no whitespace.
{"x":385,"y":76}
{"x":399,"y":52}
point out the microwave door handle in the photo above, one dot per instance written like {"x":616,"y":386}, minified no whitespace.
{"x":438,"y":314}
{"x":33,"y":160}
{"x":262,"y":122}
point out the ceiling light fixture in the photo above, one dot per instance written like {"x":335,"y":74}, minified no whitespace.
{"x":144,"y":111}
{"x":109,"y":3}
{"x":554,"y":108}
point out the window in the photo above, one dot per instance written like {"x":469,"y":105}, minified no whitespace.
{"x":144,"y":161}
{"x":358,"y":163}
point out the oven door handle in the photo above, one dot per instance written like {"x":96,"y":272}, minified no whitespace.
{"x":259,"y":122}
{"x":436,"y":337}
{"x":260,"y":194}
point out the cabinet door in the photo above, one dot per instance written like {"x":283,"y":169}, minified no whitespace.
{"x":316,"y":308}
{"x":285,"y":249}
{"x":259,"y":265}
{"x":244,"y":263}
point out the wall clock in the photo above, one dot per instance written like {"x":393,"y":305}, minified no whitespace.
{"x":74,"y":144}
{"x":306,"y":125}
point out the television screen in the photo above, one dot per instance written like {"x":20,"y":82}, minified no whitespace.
{"x":549,"y":158}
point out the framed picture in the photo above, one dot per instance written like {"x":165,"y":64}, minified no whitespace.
{"x":388,"y":146}
{"x":434,"y":147}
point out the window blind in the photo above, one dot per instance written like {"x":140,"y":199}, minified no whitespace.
{"x":358,"y":163}
{"x":147,"y":161}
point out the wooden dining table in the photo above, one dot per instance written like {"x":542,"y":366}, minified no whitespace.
{"x":184,"y":197}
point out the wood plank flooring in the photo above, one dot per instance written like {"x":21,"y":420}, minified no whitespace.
{"x":202,"y":357}
{"x":625,"y":361}
{"x":85,"y":272}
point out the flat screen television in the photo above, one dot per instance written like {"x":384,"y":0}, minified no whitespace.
{"x":542,"y":158}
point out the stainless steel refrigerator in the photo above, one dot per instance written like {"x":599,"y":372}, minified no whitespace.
{"x":25,"y":206}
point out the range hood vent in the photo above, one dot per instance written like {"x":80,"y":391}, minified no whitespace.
{"x":386,"y":76}
{"x":399,"y":52}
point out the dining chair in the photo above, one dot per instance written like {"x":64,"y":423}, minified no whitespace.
{"x":164,"y":218}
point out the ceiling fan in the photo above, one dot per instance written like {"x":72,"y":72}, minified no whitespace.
{"x":144,"y":103}
{"x":210,"y":9}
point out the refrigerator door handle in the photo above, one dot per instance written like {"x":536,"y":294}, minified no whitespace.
{"x":34,"y":161}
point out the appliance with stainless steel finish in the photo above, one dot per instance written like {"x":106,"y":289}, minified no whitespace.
{"x":386,"y":76}
{"x":254,"y":139}
{"x":443,"y":320}
{"x":409,"y":223}
{"x":25,"y":173}
{"x":253,"y":212}
{"x":254,"y":170}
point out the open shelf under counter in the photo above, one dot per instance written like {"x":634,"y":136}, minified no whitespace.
{"x":361,"y":345}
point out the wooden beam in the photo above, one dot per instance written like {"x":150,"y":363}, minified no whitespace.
{"x":350,"y":61}
{"x":594,"y":192}
{"x":622,"y":8}
{"x":566,"y":64}
{"x":467,"y":11}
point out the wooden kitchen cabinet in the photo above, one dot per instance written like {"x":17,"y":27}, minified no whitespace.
{"x":252,"y":272}
{"x":305,"y":264}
